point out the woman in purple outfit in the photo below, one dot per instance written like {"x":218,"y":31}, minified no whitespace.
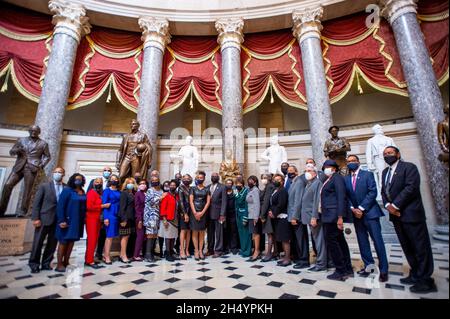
{"x":139,"y":205}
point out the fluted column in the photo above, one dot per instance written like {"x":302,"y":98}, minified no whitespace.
{"x":307,"y":29}
{"x":155,"y":35}
{"x":425,"y":96}
{"x":71,"y":24}
{"x":230,"y":39}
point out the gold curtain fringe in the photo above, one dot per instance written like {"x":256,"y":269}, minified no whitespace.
{"x":136,"y":76}
{"x":269,"y":56}
{"x":350,"y":41}
{"x":45,"y":61}
{"x":434,"y":17}
{"x":216,"y":78}
{"x":86,"y":69}
{"x":8,"y":73}
{"x":110,"y":54}
{"x":25,"y":37}
{"x":296,"y":73}
{"x":247,"y":77}
{"x":169,"y":78}
{"x":192,"y":60}
{"x":327,"y":68}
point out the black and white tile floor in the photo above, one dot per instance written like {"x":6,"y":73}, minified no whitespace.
{"x":226,"y":277}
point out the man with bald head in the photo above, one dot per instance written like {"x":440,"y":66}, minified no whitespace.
{"x":32,"y":155}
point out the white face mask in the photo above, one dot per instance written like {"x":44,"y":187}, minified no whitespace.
{"x":328,"y":171}
{"x":264,"y":181}
{"x":309,"y":176}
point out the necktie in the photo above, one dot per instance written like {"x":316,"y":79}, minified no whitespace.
{"x":354,"y":181}
{"x":58,"y":191}
{"x":388,"y":183}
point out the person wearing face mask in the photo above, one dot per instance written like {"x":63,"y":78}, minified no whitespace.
{"x":217,"y":211}
{"x":278,"y":213}
{"x":320,"y":174}
{"x":126,"y":216}
{"x":402,"y":198}
{"x":139,"y":204}
{"x":170,"y":210}
{"x":245,"y":239}
{"x":199,"y":200}
{"x":254,"y":209}
{"x":267,"y":224}
{"x":94,"y":208}
{"x":151,"y":216}
{"x":71,"y":213}
{"x":44,"y":221}
{"x":107,"y":172}
{"x":231,"y":232}
{"x":333,"y":210}
{"x":137,"y":177}
{"x":284,"y":170}
{"x":185,"y":232}
{"x":111,"y":200}
{"x":165,"y":188}
{"x":307,"y":214}
{"x":362,"y":195}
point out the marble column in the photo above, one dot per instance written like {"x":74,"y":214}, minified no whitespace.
{"x":425,"y":96}
{"x":306,"y":29}
{"x":155,"y":35}
{"x":71,"y":24}
{"x":230,"y":38}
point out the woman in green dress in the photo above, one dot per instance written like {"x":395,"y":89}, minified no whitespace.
{"x":245,"y":238}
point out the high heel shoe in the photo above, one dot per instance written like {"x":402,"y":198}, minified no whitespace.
{"x":124,"y":261}
{"x":106,"y":262}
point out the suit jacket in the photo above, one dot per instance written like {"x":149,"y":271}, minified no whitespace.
{"x":126,"y":207}
{"x":44,"y":204}
{"x":279,"y":202}
{"x":218,"y":204}
{"x":253,"y":203}
{"x":365,"y":194}
{"x":405,"y":193}
{"x":309,"y":201}
{"x":37,"y":154}
{"x":265,"y":200}
{"x":295,"y":194}
{"x":333,"y":199}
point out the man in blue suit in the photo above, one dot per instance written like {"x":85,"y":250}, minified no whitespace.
{"x":402,"y":198}
{"x":362,"y":193}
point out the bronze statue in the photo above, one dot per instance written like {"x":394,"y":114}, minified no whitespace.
{"x":135,"y":153}
{"x":229,"y":168}
{"x":443,"y":137}
{"x":32,"y":156}
{"x":336,"y":148}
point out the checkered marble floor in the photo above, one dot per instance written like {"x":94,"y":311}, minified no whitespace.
{"x":226,"y":277}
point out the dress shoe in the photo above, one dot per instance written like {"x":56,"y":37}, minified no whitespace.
{"x":266,"y":259}
{"x":423,"y":288}
{"x":35,"y":270}
{"x":217,"y":255}
{"x":383,"y":277}
{"x":209,"y":253}
{"x":284,"y":264}
{"x":150,"y":259}
{"x":349,"y":274}
{"x":363,"y":273}
{"x":336,"y":276}
{"x":46,"y":267}
{"x":251,"y":259}
{"x":316,"y":269}
{"x":170,"y":258}
{"x":60,"y":269}
{"x":93,"y":265}
{"x":408,"y":280}
{"x":234,"y":251}
{"x":301,"y":266}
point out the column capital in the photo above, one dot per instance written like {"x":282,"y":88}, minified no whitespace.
{"x":69,"y":18}
{"x":307,"y":23}
{"x":392,"y":9}
{"x":230,"y":32}
{"x":155,"y":32}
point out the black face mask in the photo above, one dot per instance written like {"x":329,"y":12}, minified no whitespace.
{"x":276,"y":184}
{"x":186,"y":183}
{"x":390,"y":159}
{"x":284,"y":170}
{"x":98,"y":186}
{"x":173,"y":189}
{"x":137,"y":179}
{"x":239,"y":188}
{"x":291,"y":175}
{"x":154,"y":184}
{"x":215,"y":179}
{"x":251,"y":184}
{"x":229,"y":187}
{"x":114,"y":183}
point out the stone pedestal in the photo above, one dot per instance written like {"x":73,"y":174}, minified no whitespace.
{"x":16,"y":236}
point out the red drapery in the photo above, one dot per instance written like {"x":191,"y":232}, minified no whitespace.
{"x":110,"y":61}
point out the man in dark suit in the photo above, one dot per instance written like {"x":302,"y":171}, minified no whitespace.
{"x":32,"y":155}
{"x":334,"y":211}
{"x":44,"y":221}
{"x":217,"y":211}
{"x":401,"y":196}
{"x":362,"y":194}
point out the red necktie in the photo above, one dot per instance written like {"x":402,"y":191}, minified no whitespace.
{"x":354,"y":181}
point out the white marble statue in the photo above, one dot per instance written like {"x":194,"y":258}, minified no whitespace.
{"x":374,"y":153}
{"x":275,"y":154}
{"x":188,"y":157}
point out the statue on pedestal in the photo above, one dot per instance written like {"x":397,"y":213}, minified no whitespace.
{"x":275,"y":154}
{"x":443,"y":137}
{"x":32,"y":156}
{"x":229,"y":168}
{"x":135,"y":153}
{"x":374,"y":154}
{"x":336,"y":149}
{"x":188,"y":156}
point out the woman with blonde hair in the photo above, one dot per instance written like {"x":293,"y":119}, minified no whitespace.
{"x":126,"y":216}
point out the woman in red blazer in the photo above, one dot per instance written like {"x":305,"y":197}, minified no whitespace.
{"x":170,"y":204}
{"x":93,"y":221}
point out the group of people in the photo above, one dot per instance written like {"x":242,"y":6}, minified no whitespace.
{"x":290,"y":210}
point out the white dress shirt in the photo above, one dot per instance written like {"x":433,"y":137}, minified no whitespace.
{"x":393,"y":167}
{"x":356,"y":180}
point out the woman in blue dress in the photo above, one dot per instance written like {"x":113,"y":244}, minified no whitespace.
{"x":70,"y":214}
{"x":111,"y":198}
